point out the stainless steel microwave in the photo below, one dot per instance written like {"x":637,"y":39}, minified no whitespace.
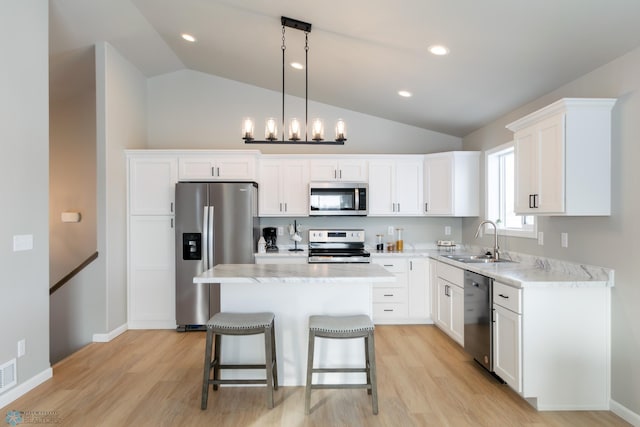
{"x":338,"y":198}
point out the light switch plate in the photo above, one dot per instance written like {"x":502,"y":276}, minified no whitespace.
{"x":22,"y":242}
{"x":447,"y":230}
{"x":540,"y":238}
{"x":564,"y":240}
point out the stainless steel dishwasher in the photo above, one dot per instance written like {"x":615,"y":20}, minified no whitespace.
{"x":478,"y":326}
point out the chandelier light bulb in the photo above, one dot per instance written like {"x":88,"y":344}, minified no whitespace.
{"x":271,"y":129}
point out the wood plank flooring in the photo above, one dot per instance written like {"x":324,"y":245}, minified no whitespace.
{"x":153,"y":378}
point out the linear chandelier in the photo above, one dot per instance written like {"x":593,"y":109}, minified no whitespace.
{"x":295,"y":131}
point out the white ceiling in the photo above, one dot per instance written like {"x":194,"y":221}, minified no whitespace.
{"x":504,"y":53}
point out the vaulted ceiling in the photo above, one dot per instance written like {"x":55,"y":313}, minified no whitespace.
{"x":503,"y":53}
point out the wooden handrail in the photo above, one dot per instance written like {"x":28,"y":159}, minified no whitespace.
{"x":75,"y":271}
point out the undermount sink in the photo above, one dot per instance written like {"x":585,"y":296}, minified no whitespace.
{"x":475,"y":258}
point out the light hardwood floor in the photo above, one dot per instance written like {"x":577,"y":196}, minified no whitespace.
{"x":153,"y":378}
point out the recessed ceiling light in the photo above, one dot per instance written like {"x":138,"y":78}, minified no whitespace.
{"x":188,"y":37}
{"x":439,"y":50}
{"x":297,"y":65}
{"x":405,"y":93}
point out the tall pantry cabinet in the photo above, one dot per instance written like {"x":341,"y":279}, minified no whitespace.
{"x":151,"y":252}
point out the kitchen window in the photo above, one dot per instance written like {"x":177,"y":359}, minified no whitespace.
{"x":500,"y":191}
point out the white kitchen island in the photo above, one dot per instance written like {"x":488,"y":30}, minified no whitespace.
{"x":293,"y":292}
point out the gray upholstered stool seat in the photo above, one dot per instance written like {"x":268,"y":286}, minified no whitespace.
{"x":343,"y":327}
{"x":240,"y":324}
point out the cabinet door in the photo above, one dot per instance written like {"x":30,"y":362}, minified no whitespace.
{"x":270,"y":188}
{"x":526,"y":165}
{"x":295,"y":188}
{"x":507,"y":343}
{"x":438,"y":185}
{"x":151,"y":286}
{"x":419,"y":295}
{"x":236,"y":167}
{"x":551,"y":178}
{"x":323,"y":170}
{"x":353,"y":170}
{"x":457,"y":314}
{"x":443,"y":312}
{"x":197,"y":168}
{"x":381,"y":186}
{"x":152,"y":182}
{"x":408,"y":187}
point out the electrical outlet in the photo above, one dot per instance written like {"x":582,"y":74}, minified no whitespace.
{"x":540,"y":238}
{"x":22,"y":347}
{"x":390,"y":230}
{"x":447,"y":230}
{"x":280,"y":231}
{"x":564,"y":240}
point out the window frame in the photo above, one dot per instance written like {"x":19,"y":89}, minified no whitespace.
{"x":530,"y":232}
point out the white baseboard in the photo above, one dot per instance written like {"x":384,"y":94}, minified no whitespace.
{"x":25,"y":387}
{"x":626,"y":414}
{"x":110,"y":335}
{"x":152,"y":324}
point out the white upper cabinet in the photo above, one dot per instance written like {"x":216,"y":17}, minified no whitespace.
{"x":283,"y":187}
{"x":152,"y":180}
{"x":563,"y":158}
{"x":451,"y":183}
{"x":218,"y":167}
{"x":395,"y":186}
{"x":332,"y":169}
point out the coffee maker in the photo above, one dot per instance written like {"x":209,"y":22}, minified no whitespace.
{"x":270,"y":235}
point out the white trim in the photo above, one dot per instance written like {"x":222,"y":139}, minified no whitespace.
{"x":531,"y":233}
{"x":25,"y":387}
{"x":110,"y":335}
{"x":625,"y":413}
{"x":152,"y":324}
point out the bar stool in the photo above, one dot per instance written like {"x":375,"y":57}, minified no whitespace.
{"x":240,"y":324}
{"x":343,"y":327}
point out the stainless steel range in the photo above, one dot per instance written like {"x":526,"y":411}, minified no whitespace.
{"x":337,"y":246}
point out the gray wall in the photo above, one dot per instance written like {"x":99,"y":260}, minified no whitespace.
{"x":188,"y":109}
{"x":604,"y":241}
{"x":24,"y":185}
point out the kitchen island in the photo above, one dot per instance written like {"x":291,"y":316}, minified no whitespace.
{"x":293,"y":292}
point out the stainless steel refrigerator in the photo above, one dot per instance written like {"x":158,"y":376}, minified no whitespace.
{"x":216,"y":223}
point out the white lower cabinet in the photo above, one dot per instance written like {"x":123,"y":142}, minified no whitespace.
{"x":449,"y":314}
{"x":405,"y":301}
{"x":507,"y":334}
{"x":151,"y":301}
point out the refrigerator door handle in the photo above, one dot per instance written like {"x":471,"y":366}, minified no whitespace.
{"x":211,"y":239}
{"x":205,"y":238}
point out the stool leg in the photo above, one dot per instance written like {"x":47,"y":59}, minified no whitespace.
{"x":216,"y":360}
{"x":207,"y":369}
{"x":307,"y":395}
{"x":268,"y":365}
{"x":367,"y":364}
{"x":372,"y":368}
{"x":274,"y":356}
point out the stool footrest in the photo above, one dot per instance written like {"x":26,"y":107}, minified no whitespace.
{"x":222,"y":382}
{"x":240,"y":366}
{"x":320,"y":370}
{"x":325,"y":386}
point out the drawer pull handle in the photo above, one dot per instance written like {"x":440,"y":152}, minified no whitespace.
{"x":503,"y":296}
{"x":388,"y":265}
{"x":388,"y":295}
{"x":388,"y":309}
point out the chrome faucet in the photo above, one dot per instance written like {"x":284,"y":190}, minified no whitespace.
{"x":496,"y":249}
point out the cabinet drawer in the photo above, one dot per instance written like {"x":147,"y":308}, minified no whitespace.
{"x":392,"y":265}
{"x":451,"y":274}
{"x":385,"y":295}
{"x":389,"y":310}
{"x":507,"y":297}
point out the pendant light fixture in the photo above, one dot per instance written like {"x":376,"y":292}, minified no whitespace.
{"x":294,"y":134}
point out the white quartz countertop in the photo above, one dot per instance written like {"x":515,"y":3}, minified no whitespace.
{"x":298,"y":273}
{"x":530,"y":272}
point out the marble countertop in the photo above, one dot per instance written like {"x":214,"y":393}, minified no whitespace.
{"x":295,"y":273}
{"x":529,"y":271}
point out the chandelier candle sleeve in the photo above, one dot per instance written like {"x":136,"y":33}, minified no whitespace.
{"x":271,"y":129}
{"x":247,"y":128}
{"x":341,"y":130}
{"x":294,"y":130}
{"x":317,"y":130}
